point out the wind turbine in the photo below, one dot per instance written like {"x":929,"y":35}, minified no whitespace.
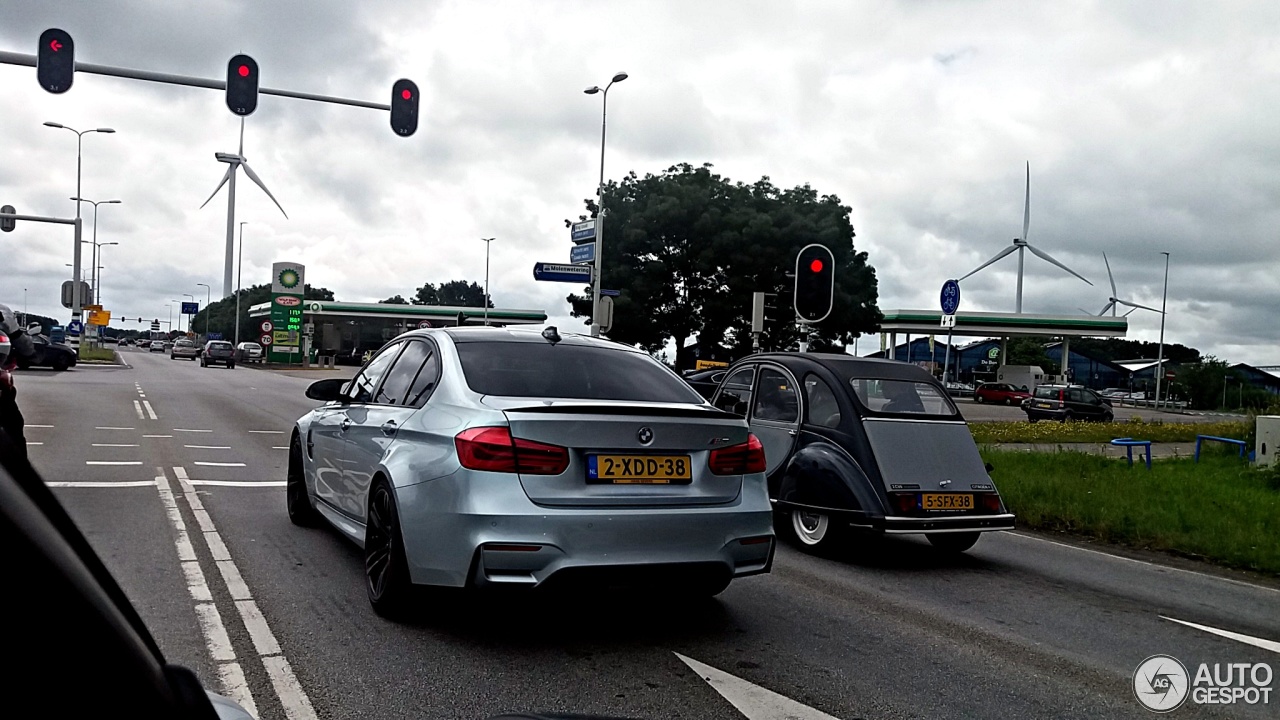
{"x":1113,"y":301}
{"x":1021,"y":244}
{"x":236,"y":161}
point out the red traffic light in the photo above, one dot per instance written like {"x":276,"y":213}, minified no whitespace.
{"x":242,"y":85}
{"x":406,"y":94}
{"x":404,"y":107}
{"x":243,"y":70}
{"x":55,"y":60}
{"x":815,"y":266}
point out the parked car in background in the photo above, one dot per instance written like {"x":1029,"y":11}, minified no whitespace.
{"x":862,"y":447}
{"x":705,"y":381}
{"x":1000,"y":394}
{"x":959,"y":389}
{"x":184,"y":349}
{"x":218,"y":352}
{"x":1067,"y":402}
{"x":48,"y":354}
{"x":249,"y":352}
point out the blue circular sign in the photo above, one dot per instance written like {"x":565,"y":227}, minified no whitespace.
{"x":950,"y":297}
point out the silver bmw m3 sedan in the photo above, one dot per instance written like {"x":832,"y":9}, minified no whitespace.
{"x":468,"y":457}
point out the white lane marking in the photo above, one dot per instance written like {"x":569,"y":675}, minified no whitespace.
{"x":219,"y":464}
{"x":1271,"y":645}
{"x":230,"y":674}
{"x":202,"y":519}
{"x":42,"y":426}
{"x":753,"y":701}
{"x":137,"y":407}
{"x":263,"y":639}
{"x":105,"y":428}
{"x":142,"y":395}
{"x":195,"y":581}
{"x":101,"y":484}
{"x":187,"y":430}
{"x":150,"y":413}
{"x":112,"y":462}
{"x":208,"y":447}
{"x":1144,"y":562}
{"x":235,"y":584}
{"x":34,"y":443}
{"x":239,"y":483}
{"x":113,"y":445}
{"x":279,"y":447}
{"x":157,"y":436}
{"x":297,"y":706}
{"x":267,"y":432}
{"x":215,"y":633}
{"x":234,"y":684}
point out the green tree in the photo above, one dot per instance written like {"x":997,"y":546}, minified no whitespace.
{"x":687,"y":248}
{"x":222,"y":313}
{"x":1030,"y":351}
{"x":458,"y":293}
{"x":394,"y":300}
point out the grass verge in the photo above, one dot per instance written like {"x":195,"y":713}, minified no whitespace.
{"x":1090,"y":432}
{"x":97,"y":354}
{"x":1220,"y":509}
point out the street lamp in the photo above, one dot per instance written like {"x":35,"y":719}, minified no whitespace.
{"x":1160,"y":357}
{"x":76,"y":301}
{"x":239,"y":265}
{"x":93,"y":277}
{"x":599,"y":243}
{"x":208,"y":297}
{"x":486,"y":279}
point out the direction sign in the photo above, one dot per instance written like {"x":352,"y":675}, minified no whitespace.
{"x":75,"y":327}
{"x":560,"y":272}
{"x":190,"y":308}
{"x":950,"y":298}
{"x":584,"y":231}
{"x":264,"y":340}
{"x":610,"y":293}
{"x":266,"y":326}
{"x":581,"y":254}
{"x":948,"y":321}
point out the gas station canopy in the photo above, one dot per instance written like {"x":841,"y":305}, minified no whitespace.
{"x":996,"y":324}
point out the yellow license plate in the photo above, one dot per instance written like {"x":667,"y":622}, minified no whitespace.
{"x":640,"y":469}
{"x":1044,"y":405}
{"x":946,"y":501}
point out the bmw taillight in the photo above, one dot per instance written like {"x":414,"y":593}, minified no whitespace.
{"x":493,"y":449}
{"x":740,"y":459}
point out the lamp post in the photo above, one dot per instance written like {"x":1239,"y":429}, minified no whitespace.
{"x":208,"y":298}
{"x":97,"y":286}
{"x":170,"y":303}
{"x":77,"y":302}
{"x":239,"y":265}
{"x":599,"y":243}
{"x":93,"y":277}
{"x":487,"y":241}
{"x":1160,"y":357}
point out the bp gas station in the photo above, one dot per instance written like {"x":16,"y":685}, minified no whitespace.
{"x":294,"y":330}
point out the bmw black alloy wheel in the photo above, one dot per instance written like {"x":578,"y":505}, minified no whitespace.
{"x":380,"y":542}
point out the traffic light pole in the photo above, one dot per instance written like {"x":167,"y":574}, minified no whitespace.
{"x":77,"y":300}
{"x":13,"y":58}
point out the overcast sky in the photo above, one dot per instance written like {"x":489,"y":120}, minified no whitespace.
{"x":1149,"y":127}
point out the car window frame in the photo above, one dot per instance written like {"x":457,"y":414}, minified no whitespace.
{"x":755,"y":390}
{"x":835,"y":397}
{"x":754,"y":369}
{"x":433,"y":354}
{"x":395,"y":347}
{"x":866,"y":411}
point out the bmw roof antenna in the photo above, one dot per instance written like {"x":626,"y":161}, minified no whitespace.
{"x":551,"y":334}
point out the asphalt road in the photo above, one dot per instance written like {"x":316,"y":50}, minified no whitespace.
{"x":987,"y":412}
{"x":1021,"y":626}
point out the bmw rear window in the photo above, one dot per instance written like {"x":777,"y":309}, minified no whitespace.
{"x":572,"y":372}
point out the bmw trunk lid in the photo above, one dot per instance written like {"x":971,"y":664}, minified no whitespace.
{"x":627,"y":453}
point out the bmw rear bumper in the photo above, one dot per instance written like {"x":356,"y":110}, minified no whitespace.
{"x":482,"y":529}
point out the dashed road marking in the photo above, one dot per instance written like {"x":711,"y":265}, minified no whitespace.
{"x":101,"y":484}
{"x":267,"y":432}
{"x":297,"y":706}
{"x":208,"y":447}
{"x":279,"y":447}
{"x":42,"y":426}
{"x":112,"y":462}
{"x":219,"y":464}
{"x":137,"y":407}
{"x":239,"y":483}
{"x":150,"y":413}
{"x":102,"y":427}
{"x":157,"y":436}
{"x":189,"y":430}
{"x":34,"y":443}
{"x":113,"y":445}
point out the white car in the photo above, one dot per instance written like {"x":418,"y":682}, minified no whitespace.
{"x":247,"y":352}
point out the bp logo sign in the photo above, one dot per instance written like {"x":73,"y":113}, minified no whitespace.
{"x":289,"y":278}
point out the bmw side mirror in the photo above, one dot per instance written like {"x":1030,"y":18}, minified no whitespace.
{"x":326,"y":390}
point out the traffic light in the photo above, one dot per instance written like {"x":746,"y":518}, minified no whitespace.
{"x":8,"y":224}
{"x":55,"y":60}
{"x":815,"y":283}
{"x":404,"y":107}
{"x":242,"y":85}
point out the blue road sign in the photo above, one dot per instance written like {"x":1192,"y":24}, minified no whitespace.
{"x":215,"y":336}
{"x":75,"y":327}
{"x":582,"y":253}
{"x":950,"y":297}
{"x":190,"y":308}
{"x":584,"y":231}
{"x":561,"y":272}
{"x":611,"y":293}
